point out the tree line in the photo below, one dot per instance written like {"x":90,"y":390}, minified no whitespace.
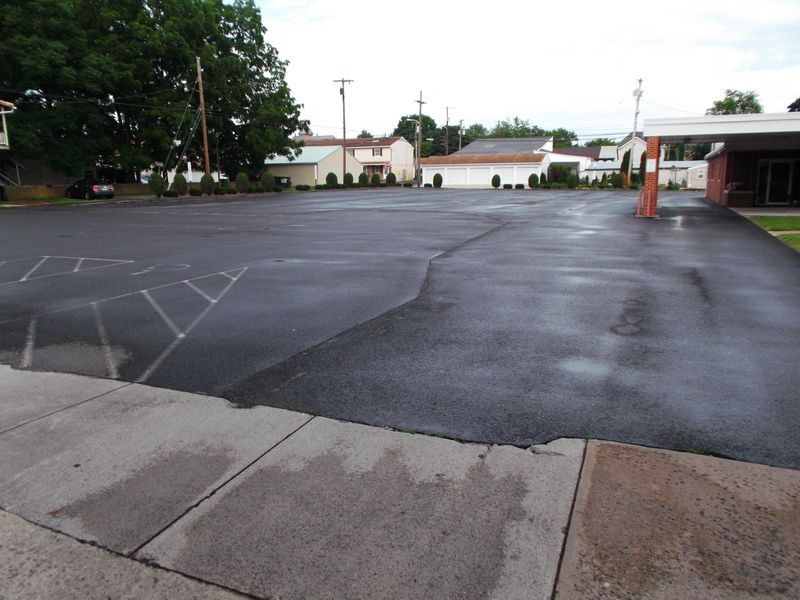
{"x":108,"y":84}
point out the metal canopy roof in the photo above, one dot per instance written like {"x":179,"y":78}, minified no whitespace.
{"x":722,"y":128}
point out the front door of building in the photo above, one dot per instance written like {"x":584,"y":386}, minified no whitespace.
{"x":776,"y":181}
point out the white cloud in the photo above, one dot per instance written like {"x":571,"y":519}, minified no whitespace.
{"x":555,"y":63}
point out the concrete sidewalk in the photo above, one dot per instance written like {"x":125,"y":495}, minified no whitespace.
{"x":180,"y":495}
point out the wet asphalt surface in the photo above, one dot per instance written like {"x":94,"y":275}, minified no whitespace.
{"x":508,"y":317}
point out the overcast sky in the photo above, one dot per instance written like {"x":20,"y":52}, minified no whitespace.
{"x":554,"y":63}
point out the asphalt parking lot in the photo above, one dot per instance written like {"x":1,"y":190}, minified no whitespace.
{"x":510,"y":317}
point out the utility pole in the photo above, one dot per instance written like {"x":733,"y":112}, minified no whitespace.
{"x":418,"y":173}
{"x":447,"y":130}
{"x":460,"y":132}
{"x":203,"y":117}
{"x":637,"y":93}
{"x":341,"y":83}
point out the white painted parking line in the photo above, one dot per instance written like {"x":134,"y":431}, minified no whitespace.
{"x":178,"y":339}
{"x":199,"y":291}
{"x":101,"y":332}
{"x":170,"y":323}
{"x":78,"y":266}
{"x":29,"y":273}
{"x":30,"y":341}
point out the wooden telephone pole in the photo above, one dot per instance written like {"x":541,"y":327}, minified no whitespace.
{"x":203,"y":117}
{"x":341,"y":82}
{"x":418,"y":174}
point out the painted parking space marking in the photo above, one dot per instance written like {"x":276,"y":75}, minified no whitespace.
{"x":20,"y":270}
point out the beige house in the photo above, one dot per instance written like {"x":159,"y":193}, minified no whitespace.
{"x":6,"y":108}
{"x":311,"y":165}
{"x":377,"y":154}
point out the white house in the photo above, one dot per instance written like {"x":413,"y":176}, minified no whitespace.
{"x":677,"y":171}
{"x":477,"y":170}
{"x":379,"y":155}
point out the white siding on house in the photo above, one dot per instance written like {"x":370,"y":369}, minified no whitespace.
{"x":479,"y":176}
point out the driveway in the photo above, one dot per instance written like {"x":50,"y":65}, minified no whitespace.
{"x":511,"y":317}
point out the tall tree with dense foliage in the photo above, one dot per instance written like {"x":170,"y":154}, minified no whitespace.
{"x":794,"y":106}
{"x":106,"y":83}
{"x":364,"y":134}
{"x":736,"y":102}
{"x":601,"y":141}
{"x":407,"y":128}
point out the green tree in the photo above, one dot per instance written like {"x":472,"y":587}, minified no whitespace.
{"x":331,"y":180}
{"x":543,"y":179}
{"x":156,"y":184}
{"x":437,"y":180}
{"x":533,"y":180}
{"x":363,"y":178}
{"x":105,"y":84}
{"x":496,"y":181}
{"x":562,"y":138}
{"x":348,"y":179}
{"x":626,"y":162}
{"x":515,"y":127}
{"x":476,"y":131}
{"x":601,"y":141}
{"x":572,"y":181}
{"x":207,"y":184}
{"x":374,"y":180}
{"x":391,"y":178}
{"x":794,"y":106}
{"x":180,"y":185}
{"x":408,"y":129}
{"x":736,"y":102}
{"x":364,"y":134}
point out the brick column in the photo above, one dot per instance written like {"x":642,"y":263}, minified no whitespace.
{"x":648,"y":197}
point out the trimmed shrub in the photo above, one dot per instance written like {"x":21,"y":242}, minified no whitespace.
{"x":207,"y":184}
{"x":179,"y":184}
{"x":195,"y":192}
{"x":533,"y":180}
{"x":543,"y":179}
{"x":363,"y":179}
{"x":407,"y":184}
{"x":496,"y":181}
{"x":356,"y":185}
{"x":508,"y":186}
{"x":604,"y":180}
{"x":231,"y":191}
{"x":277,"y":188}
{"x":572,"y":181}
{"x":617,"y":181}
{"x":331,"y":180}
{"x":348,"y":180}
{"x":391,"y":178}
{"x":259,"y":189}
{"x":374,"y":180}
{"x":428,"y":185}
{"x":321,"y":186}
{"x":156,"y":184}
{"x":519,"y":186}
{"x":634,"y":186}
{"x":218,"y":191}
{"x":171,"y":193}
{"x":557,"y":185}
{"x":382,"y":184}
{"x":267,"y":180}
{"x":242,"y":182}
{"x":437,"y":180}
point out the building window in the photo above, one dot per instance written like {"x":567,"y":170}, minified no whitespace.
{"x":701,"y":174}
{"x":377,"y":152}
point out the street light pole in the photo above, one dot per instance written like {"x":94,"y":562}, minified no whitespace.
{"x":341,"y":82}
{"x":418,"y":173}
{"x":203,"y":117}
{"x":637,"y":93}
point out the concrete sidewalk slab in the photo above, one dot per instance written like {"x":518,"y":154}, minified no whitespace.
{"x":118,"y":469}
{"x":351,"y":511}
{"x":27,"y":395}
{"x":41,"y":564}
{"x":659,"y":524}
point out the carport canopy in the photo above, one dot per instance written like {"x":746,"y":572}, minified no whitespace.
{"x":778,"y":129}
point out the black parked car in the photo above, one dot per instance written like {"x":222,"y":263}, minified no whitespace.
{"x":90,"y":188}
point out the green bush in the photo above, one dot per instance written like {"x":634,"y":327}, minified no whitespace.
{"x":634,"y":186}
{"x":508,"y":186}
{"x":321,"y":186}
{"x":356,"y":185}
{"x":156,"y":184}
{"x":171,"y":193}
{"x":428,"y":185}
{"x":207,"y":184}
{"x":242,"y":182}
{"x":408,"y":184}
{"x":348,"y":180}
{"x":374,"y":180}
{"x":617,"y":181}
{"x":259,"y":189}
{"x":277,"y":188}
{"x":496,"y":181}
{"x":519,"y":186}
{"x":301,"y":187}
{"x":363,"y":179}
{"x":267,"y":180}
{"x":545,"y":185}
{"x":231,"y":191}
{"x":179,"y":184}
{"x":533,"y":180}
{"x":218,"y":191}
{"x":195,"y":192}
{"x":603,"y":180}
{"x":391,"y":178}
{"x":331,"y":180}
{"x":572,"y":181}
{"x":437,"y":180}
{"x":543,"y":179}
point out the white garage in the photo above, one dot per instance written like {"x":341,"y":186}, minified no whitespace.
{"x":477,"y":170}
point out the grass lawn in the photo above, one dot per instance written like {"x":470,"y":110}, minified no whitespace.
{"x":778,"y":223}
{"x":62,"y":201}
{"x":793,"y":239}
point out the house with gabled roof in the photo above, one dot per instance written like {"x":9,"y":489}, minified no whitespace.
{"x":310,"y":165}
{"x":378,"y":154}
